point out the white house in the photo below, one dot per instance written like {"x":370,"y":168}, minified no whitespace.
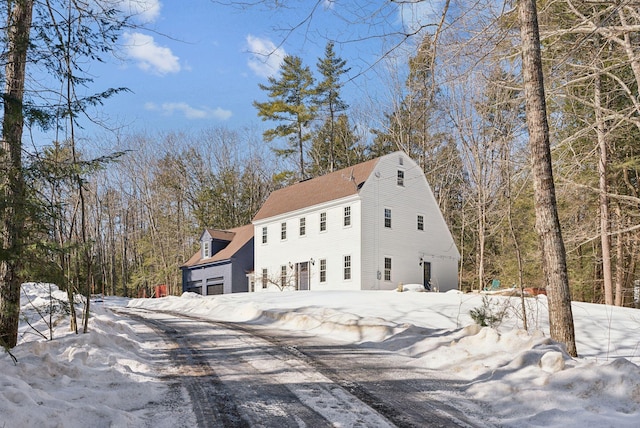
{"x":367,"y":227}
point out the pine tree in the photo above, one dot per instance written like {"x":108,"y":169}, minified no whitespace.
{"x":335,"y":146}
{"x":331,"y":104}
{"x":291,"y":105}
{"x":12,"y":184}
{"x":409,"y":125}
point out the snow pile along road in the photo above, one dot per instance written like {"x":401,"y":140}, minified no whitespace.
{"x":112,"y":376}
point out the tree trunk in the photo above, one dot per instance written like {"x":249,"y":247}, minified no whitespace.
{"x":620,"y":260}
{"x":547,"y":222}
{"x":12,"y":183}
{"x":605,"y":239}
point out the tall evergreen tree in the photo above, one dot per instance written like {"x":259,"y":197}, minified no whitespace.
{"x":292,"y":105}
{"x":335,"y":146}
{"x":410,"y":126}
{"x":331,"y":104}
{"x":12,"y":184}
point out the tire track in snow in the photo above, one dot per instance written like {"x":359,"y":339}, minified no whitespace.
{"x":211,"y":401}
{"x":254,"y":382}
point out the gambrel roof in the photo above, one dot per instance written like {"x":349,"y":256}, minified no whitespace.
{"x":335,"y":185}
{"x":237,"y":239}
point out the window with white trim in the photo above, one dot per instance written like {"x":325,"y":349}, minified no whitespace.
{"x":323,"y":270}
{"x":347,"y":216}
{"x":303,"y":226}
{"x":387,"y":268}
{"x":347,"y":267}
{"x":265,"y":275}
{"x":283,"y":230}
{"x":420,"y":222}
{"x":206,"y":249}
{"x":323,"y":222}
{"x":400,"y":179}
{"x":283,"y":275}
{"x":387,"y":218}
{"x":264,"y":235}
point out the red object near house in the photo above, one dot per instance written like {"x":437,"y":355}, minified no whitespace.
{"x":161,"y":291}
{"x":534,"y":291}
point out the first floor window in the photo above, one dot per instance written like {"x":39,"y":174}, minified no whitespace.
{"x":283,"y":231}
{"x":323,"y":222}
{"x":387,"y":218}
{"x":347,"y":267}
{"x":323,"y":270}
{"x":264,"y":235}
{"x":387,"y":268}
{"x":420,"y":222}
{"x":265,"y":273}
{"x":283,"y":275}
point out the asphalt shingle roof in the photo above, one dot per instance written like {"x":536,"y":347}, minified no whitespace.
{"x":335,"y":185}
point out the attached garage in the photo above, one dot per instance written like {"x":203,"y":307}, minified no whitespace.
{"x":221,"y":264}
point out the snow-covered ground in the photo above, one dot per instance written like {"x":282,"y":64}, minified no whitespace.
{"x":109,"y":377}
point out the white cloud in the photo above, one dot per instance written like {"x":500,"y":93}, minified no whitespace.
{"x":145,"y":11}
{"x":150,"y":56}
{"x":190,"y":112}
{"x":265,"y":57}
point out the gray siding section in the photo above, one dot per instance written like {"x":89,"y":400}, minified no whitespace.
{"x":226,"y":276}
{"x":242,"y":263}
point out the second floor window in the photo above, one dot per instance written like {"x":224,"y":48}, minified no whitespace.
{"x":387,"y":218}
{"x":264,"y":235}
{"x":303,"y":226}
{"x":323,"y":222}
{"x":420,"y":222}
{"x":347,"y":216}
{"x":283,"y":231}
{"x":206,"y":252}
{"x":323,"y":270}
{"x":400,"y":178}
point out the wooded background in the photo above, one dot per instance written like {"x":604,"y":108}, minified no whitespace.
{"x":121,"y":215}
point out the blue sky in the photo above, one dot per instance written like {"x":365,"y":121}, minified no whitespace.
{"x":195,"y":64}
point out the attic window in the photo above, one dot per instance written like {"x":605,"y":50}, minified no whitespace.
{"x":400,"y":178}
{"x":206,"y":249}
{"x":400,"y":160}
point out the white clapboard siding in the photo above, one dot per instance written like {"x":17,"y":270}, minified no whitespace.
{"x":315,"y":245}
{"x":403,"y":242}
{"x":366,"y":240}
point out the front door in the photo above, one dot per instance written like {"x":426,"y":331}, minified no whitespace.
{"x":303,"y":276}
{"x":426,"y":275}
